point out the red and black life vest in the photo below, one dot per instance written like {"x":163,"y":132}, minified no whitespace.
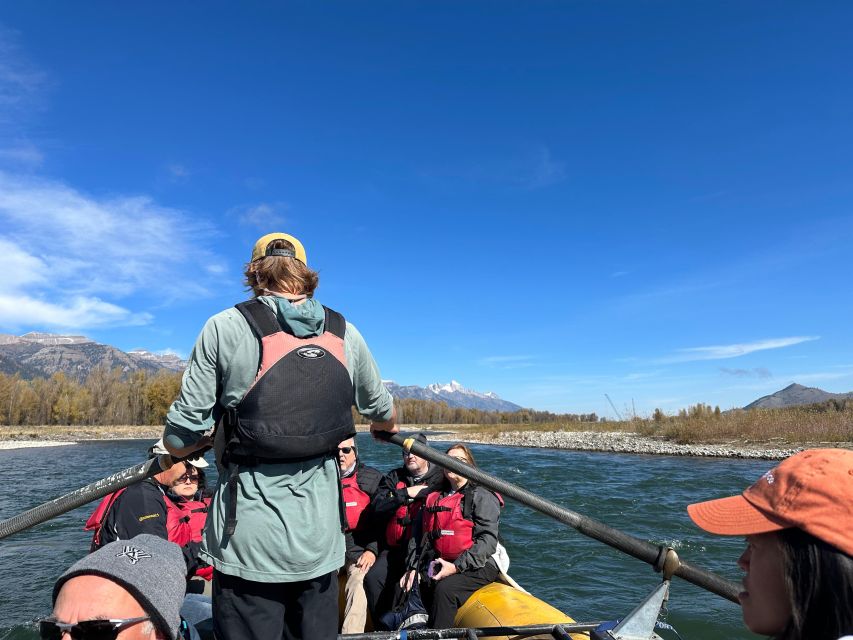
{"x":449,"y":523}
{"x":185,"y":520}
{"x":356,"y":501}
{"x":179,"y":528}
{"x":399,"y":527}
{"x":300,"y":404}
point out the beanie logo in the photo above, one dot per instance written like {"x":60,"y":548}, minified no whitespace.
{"x":310,"y":353}
{"x":133,"y":554}
{"x":769,"y":477}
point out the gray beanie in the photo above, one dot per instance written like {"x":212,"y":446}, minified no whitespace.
{"x":150,"y":568}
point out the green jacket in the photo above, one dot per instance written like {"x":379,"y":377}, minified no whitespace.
{"x":289,"y":523}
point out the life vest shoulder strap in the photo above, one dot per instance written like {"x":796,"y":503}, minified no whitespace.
{"x":335,"y":323}
{"x":261,"y":318}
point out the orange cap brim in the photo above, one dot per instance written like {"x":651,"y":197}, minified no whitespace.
{"x":734,"y":516}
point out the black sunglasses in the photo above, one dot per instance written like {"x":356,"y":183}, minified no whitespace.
{"x":346,"y":449}
{"x":188,"y":477}
{"x":87,"y":629}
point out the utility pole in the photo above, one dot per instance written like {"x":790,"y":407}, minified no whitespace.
{"x":618,"y":415}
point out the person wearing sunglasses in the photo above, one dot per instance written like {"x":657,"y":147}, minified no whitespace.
{"x":397,"y":505}
{"x":126,"y":590}
{"x":185,"y":520}
{"x":271,"y":384}
{"x":359,"y":483}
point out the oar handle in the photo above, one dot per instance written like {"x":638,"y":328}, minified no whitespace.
{"x":81,"y":496}
{"x":640,"y":549}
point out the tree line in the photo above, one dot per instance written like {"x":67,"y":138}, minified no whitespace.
{"x":105,"y":397}
{"x":113,"y":397}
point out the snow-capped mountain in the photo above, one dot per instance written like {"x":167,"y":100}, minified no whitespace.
{"x":454,"y":394}
{"x":43,"y":354}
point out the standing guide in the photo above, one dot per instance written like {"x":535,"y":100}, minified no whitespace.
{"x":280,"y":373}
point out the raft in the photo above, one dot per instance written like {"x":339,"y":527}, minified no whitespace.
{"x":503,"y":603}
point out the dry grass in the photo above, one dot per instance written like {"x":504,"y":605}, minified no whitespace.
{"x":796,"y":425}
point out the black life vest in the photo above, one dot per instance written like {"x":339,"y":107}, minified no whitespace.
{"x":300,"y":404}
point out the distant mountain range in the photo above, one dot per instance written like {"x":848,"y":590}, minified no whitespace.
{"x":454,"y":394}
{"x":35,"y":355}
{"x":795,"y":395}
{"x":43,"y":354}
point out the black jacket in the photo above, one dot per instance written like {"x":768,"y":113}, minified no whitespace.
{"x":141,"y":508}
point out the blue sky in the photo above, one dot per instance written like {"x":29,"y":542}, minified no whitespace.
{"x":548,"y":200}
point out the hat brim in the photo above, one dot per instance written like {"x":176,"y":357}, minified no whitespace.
{"x":198,"y":463}
{"x":733,"y":516}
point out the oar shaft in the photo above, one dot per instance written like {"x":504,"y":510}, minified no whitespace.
{"x":81,"y":496}
{"x":640,"y":549}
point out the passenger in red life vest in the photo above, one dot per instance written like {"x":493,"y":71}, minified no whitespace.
{"x":360,"y":484}
{"x":185,"y":522}
{"x":144,"y":507}
{"x":460,"y":535}
{"x":397,"y":505}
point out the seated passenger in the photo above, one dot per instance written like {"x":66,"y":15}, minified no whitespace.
{"x":144,"y":507}
{"x":460,"y":535}
{"x":397,"y":506}
{"x":360,"y":483}
{"x":798,"y":523}
{"x":185,"y":523}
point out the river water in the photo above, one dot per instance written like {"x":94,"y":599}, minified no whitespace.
{"x":644,"y":496}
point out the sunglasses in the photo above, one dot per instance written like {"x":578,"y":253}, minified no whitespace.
{"x":87,"y":629}
{"x":345,"y":449}
{"x":188,"y":477}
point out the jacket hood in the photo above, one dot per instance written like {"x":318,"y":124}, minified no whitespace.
{"x":301,"y":320}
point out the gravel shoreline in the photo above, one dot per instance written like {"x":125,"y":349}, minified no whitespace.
{"x":619,"y":442}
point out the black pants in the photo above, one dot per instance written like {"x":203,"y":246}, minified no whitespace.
{"x":382,"y":581}
{"x":447,"y":595}
{"x":244,"y":609}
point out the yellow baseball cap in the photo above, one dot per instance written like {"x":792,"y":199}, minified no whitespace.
{"x":260,"y":249}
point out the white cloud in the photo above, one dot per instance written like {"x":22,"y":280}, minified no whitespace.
{"x":263,"y":215}
{"x":20,"y":81}
{"x":21,"y":154}
{"x":66,"y":257}
{"x":75,"y":313}
{"x":178,"y":172}
{"x":722,"y":352}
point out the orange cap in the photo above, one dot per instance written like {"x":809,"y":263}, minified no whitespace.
{"x":812,"y":490}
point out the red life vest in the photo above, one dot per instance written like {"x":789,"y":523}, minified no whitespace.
{"x":355,"y":501}
{"x":99,"y":515}
{"x":178,"y":530}
{"x":185,"y":520}
{"x":399,"y":527}
{"x":446,"y":525}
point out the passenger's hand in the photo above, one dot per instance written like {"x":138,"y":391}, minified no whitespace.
{"x":415,"y":490}
{"x":365,"y":560}
{"x":389,"y":425}
{"x":408,"y":579}
{"x":447,"y":569}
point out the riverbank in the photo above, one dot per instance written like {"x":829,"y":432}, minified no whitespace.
{"x":624,"y":442}
{"x":604,"y":441}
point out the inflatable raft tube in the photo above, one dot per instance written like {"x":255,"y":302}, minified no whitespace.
{"x":504,"y":603}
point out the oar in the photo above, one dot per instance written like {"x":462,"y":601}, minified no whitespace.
{"x":81,"y":496}
{"x":640,"y":549}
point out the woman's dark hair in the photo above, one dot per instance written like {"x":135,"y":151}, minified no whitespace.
{"x":203,"y":490}
{"x":819,"y":578}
